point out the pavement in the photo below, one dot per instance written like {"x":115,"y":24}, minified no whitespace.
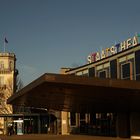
{"x":57,"y":137}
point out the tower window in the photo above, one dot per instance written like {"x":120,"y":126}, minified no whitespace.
{"x":11,"y":65}
{"x":1,"y":65}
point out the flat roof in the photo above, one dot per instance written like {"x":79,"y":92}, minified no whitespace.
{"x":79,"y":94}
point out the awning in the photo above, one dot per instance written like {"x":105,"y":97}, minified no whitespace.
{"x":79,"y":94}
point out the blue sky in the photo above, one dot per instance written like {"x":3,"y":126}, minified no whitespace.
{"x":46,"y":35}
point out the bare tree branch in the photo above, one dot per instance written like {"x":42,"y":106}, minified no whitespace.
{"x":19,"y":84}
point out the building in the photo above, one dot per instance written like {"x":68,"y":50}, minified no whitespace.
{"x":120,"y":61}
{"x":98,"y":98}
{"x":8,"y":74}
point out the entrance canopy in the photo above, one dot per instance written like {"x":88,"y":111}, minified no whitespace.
{"x":79,"y":94}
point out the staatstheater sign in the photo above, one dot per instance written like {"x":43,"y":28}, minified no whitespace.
{"x":131,"y":42}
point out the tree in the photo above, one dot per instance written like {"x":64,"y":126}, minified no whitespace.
{"x":11,"y":86}
{"x":19,"y":84}
{"x":5,"y":93}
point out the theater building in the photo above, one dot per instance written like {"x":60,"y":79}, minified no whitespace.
{"x":121,"y":61}
{"x":101,"y":97}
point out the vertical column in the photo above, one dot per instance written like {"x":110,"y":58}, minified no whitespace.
{"x":123,"y":125}
{"x":64,"y":117}
{"x":59,"y":122}
{"x":39,"y":127}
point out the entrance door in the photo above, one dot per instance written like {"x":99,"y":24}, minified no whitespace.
{"x":18,"y":126}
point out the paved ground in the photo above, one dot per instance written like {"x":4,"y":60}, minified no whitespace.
{"x":56,"y":137}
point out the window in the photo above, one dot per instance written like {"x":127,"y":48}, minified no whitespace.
{"x":126,"y":71}
{"x":72,"y":118}
{"x":103,"y":70}
{"x":127,"y":67}
{"x":113,"y":69}
{"x":82,"y":73}
{"x":1,"y":65}
{"x":91,"y":72}
{"x":102,"y":74}
{"x":11,"y":65}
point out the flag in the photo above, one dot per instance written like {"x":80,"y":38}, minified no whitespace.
{"x":5,"y":40}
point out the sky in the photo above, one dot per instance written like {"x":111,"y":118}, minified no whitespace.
{"x":46,"y":35}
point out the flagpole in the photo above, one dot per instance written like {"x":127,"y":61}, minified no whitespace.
{"x":5,"y":42}
{"x":4,"y":45}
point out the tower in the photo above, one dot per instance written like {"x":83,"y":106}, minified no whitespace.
{"x":8,"y":74}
